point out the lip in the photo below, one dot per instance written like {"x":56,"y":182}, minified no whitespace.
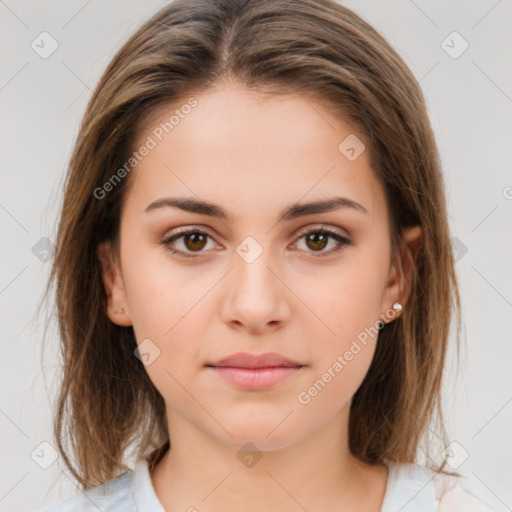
{"x":248,"y":360}
{"x":254,"y":379}
{"x":255,"y":371}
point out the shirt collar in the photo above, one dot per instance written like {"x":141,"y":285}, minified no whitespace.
{"x":143,"y":492}
{"x":409,"y":487}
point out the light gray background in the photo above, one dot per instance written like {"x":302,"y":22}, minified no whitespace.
{"x":470,"y":104}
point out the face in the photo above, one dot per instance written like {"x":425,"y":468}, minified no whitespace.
{"x":309,"y":286}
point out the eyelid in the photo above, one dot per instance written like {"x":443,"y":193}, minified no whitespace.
{"x":320,"y":227}
{"x":331,"y":231}
{"x":300,"y":232}
{"x":193,"y":228}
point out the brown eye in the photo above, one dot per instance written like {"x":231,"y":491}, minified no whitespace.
{"x":316,"y":241}
{"x":192,"y":241}
{"x":195,"y":241}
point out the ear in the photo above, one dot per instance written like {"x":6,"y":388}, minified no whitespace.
{"x":117,"y":303}
{"x":400,"y":278}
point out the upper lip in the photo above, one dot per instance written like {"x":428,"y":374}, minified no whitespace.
{"x":248,"y":360}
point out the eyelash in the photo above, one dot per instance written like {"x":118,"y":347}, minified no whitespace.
{"x":342,"y":241}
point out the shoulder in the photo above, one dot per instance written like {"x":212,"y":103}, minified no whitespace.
{"x":454,"y":495}
{"x":414,"y":487}
{"x":113,"y":496}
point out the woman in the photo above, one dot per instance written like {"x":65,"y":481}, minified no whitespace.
{"x":254,"y":274}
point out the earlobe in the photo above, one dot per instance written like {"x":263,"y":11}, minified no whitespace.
{"x":117,"y":304}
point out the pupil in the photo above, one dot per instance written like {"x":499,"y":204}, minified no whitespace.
{"x":317,"y":238}
{"x":197,"y":241}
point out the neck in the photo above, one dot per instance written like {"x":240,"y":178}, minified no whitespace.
{"x":316,"y":473}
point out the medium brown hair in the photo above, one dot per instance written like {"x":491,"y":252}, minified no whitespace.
{"x":316,"y":48}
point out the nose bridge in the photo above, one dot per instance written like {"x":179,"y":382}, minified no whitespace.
{"x":252,"y":265}
{"x":256,"y":297}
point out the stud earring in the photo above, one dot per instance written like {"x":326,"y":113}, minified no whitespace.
{"x":397,"y":307}
{"x":121,"y":311}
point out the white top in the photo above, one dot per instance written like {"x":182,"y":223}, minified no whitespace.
{"x":410,"y":488}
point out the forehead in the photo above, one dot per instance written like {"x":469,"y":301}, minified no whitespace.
{"x":240,"y":148}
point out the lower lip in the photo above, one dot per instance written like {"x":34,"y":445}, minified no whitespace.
{"x":255,"y":378}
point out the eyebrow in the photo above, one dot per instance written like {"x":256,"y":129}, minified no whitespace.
{"x":291,"y":212}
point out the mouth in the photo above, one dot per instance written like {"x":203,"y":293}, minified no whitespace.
{"x":255,"y":378}
{"x":255,"y":372}
{"x":248,"y":360}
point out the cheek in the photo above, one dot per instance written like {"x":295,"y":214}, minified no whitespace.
{"x":345,"y":301}
{"x":342,"y":301}
{"x":168,"y":305}
{"x":166,"y":308}
{"x":161,"y":293}
{"x":341,"y":358}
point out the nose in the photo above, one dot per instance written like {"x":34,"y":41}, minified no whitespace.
{"x":257,"y":299}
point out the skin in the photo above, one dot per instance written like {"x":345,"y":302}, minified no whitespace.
{"x":254,"y":157}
